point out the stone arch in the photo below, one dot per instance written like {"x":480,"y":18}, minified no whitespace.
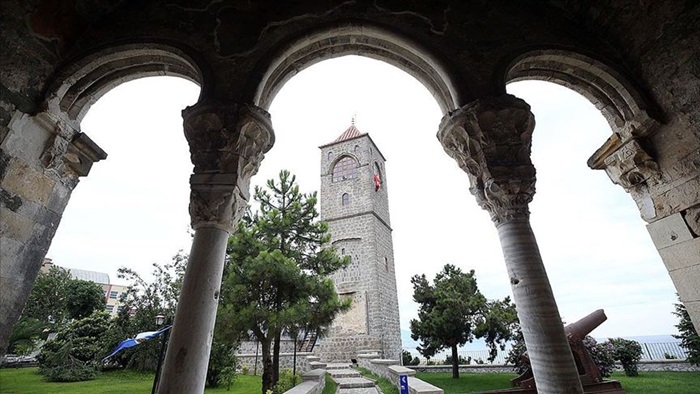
{"x":624,"y":106}
{"x":82,"y":82}
{"x":368,"y":41}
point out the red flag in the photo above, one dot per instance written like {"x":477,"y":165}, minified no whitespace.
{"x":377,"y":182}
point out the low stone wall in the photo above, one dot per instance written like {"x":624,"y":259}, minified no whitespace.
{"x":480,"y":368}
{"x":666,"y":365}
{"x":286,"y":362}
{"x":314,"y":383}
{"x":645,"y":366}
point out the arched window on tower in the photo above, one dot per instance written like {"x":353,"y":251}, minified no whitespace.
{"x":330,"y":155}
{"x":345,"y":168}
{"x":345,"y":199}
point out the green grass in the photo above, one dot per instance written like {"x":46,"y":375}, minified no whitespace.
{"x":384,"y":384}
{"x":645,"y":383}
{"x":28,"y":381}
{"x":331,"y":385}
{"x":660,"y":382}
{"x":467,"y":382}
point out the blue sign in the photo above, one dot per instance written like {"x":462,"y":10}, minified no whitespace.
{"x":403,"y":384}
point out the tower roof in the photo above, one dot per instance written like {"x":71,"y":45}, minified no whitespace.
{"x":350,"y":133}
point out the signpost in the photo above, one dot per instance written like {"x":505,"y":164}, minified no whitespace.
{"x":403,"y":384}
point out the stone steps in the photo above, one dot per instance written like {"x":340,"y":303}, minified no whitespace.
{"x":344,"y":373}
{"x":349,"y":380}
{"x":354,"y":383}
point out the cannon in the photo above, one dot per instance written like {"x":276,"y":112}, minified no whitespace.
{"x":589,"y":374}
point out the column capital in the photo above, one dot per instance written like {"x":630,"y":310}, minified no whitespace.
{"x":70,"y":154}
{"x":227,"y":144}
{"x":490,"y":138}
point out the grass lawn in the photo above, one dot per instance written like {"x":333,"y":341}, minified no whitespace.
{"x":645,"y":383}
{"x":384,"y":384}
{"x":28,"y":381}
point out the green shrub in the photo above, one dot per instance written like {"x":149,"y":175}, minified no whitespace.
{"x":603,"y":355}
{"x":628,"y":353}
{"x":286,"y":381}
{"x":460,"y":359}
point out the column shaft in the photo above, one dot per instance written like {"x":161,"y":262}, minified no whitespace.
{"x":193,"y":329}
{"x":547,"y":346}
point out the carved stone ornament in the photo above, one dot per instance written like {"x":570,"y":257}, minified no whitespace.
{"x":631,"y":167}
{"x":70,"y":154}
{"x":490,"y":139}
{"x":227,"y":143}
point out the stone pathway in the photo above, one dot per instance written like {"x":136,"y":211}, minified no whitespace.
{"x":349,"y":380}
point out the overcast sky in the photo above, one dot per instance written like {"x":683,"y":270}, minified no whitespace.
{"x":132,"y":208}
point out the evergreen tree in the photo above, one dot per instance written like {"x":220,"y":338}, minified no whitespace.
{"x":47,"y":300}
{"x":83,"y":298}
{"x":276,"y":278}
{"x":452,"y":311}
{"x":74,"y":354}
{"x":690,"y":340}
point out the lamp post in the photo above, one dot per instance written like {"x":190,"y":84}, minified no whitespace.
{"x":160,"y":319}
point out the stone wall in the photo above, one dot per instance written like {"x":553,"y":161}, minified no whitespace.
{"x":41,"y":160}
{"x":286,"y":362}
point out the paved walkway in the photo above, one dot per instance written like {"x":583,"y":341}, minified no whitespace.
{"x":349,"y":380}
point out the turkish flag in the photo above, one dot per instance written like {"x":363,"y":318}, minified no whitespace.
{"x":377,"y":182}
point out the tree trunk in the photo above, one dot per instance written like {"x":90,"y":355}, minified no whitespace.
{"x":267,"y":377}
{"x":550,"y":356}
{"x":455,"y":362}
{"x":276,"y":359}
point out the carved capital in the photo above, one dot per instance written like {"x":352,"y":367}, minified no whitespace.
{"x":490,"y":139}
{"x":227,"y":143}
{"x":630,"y":166}
{"x":70,"y":154}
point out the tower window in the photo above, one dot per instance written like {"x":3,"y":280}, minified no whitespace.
{"x":345,"y":168}
{"x":330,"y":155}
{"x":345,"y":199}
{"x":357,"y":148}
{"x":386,"y":264}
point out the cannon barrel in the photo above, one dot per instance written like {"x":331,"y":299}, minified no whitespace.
{"x":584,"y":326}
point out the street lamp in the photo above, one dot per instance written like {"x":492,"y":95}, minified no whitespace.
{"x":160,"y":319}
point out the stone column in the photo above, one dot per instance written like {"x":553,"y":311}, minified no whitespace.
{"x":41,"y":161}
{"x":490,"y":139}
{"x":227,"y":143}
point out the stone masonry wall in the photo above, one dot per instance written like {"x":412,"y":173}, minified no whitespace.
{"x":40,"y":162}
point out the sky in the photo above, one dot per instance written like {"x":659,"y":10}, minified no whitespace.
{"x":132,"y":208}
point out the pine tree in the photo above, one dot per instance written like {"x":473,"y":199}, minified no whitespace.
{"x":277,"y":275}
{"x":452,"y":311}
{"x":690,"y":340}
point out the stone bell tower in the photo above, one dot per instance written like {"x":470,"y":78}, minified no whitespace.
{"x":355,"y":204}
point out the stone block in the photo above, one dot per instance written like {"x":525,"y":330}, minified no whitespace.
{"x":669,"y":231}
{"x":27,"y":182}
{"x":417,"y":386}
{"x":401,"y":370}
{"x":681,"y":255}
{"x":686,"y":281}
{"x":15,"y":226}
{"x":314,"y":375}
